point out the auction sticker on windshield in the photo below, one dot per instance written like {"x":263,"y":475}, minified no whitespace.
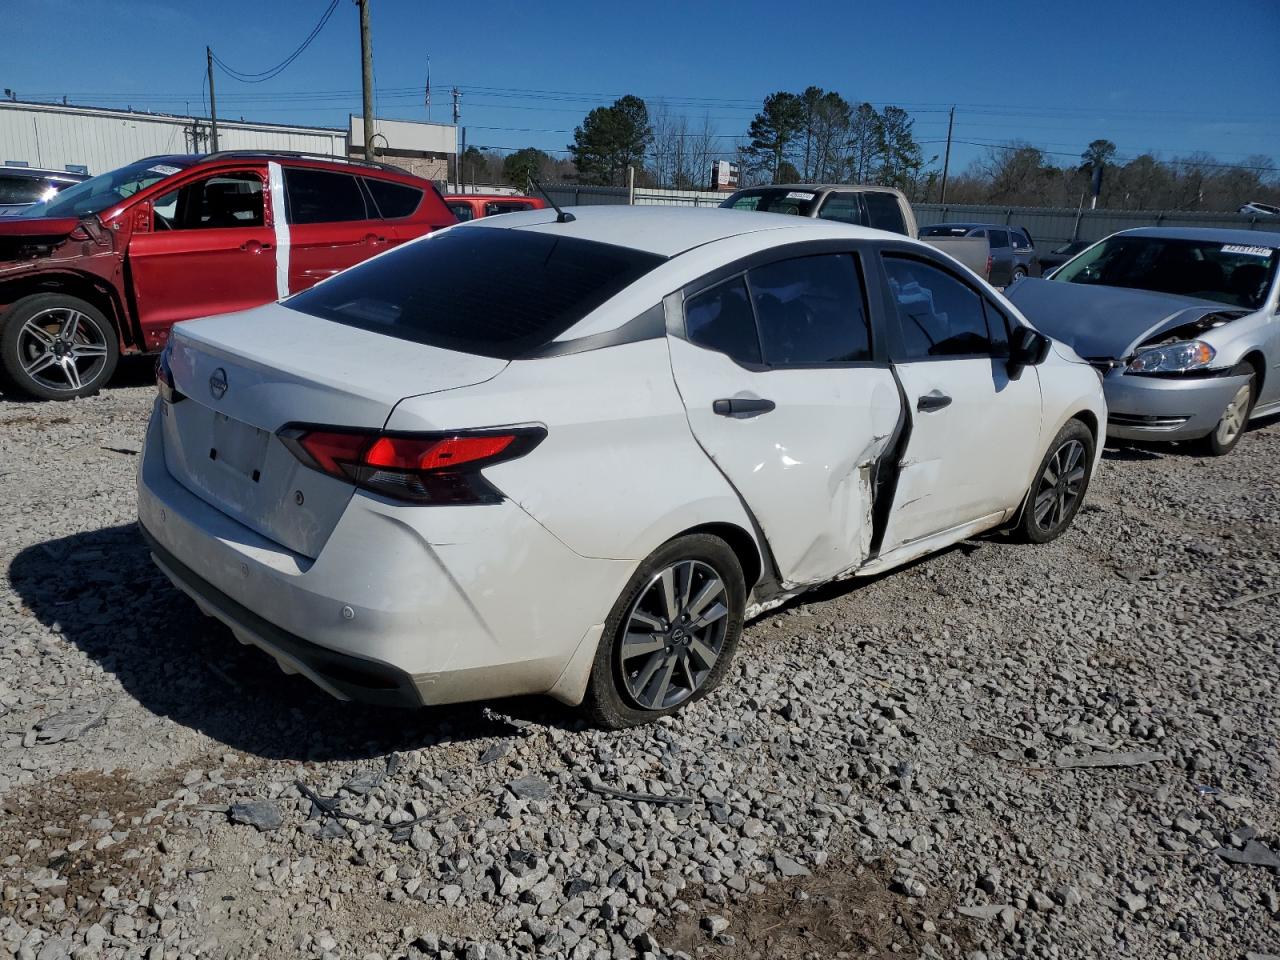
{"x":799,"y":195}
{"x":1246,"y":250}
{"x":164,"y":168}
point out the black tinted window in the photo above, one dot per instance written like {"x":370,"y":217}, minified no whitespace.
{"x":998,"y":238}
{"x":462,"y":211}
{"x":393,"y":199}
{"x":318,"y":196}
{"x":883,"y":212}
{"x":810,"y":310}
{"x":21,"y":189}
{"x":939,"y":316}
{"x":842,"y":207}
{"x":1021,"y":241}
{"x":721,"y":319}
{"x":498,"y":293}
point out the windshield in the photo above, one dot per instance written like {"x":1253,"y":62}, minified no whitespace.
{"x":497,"y":293}
{"x":799,"y":203}
{"x":98,"y":193}
{"x":1233,"y":273}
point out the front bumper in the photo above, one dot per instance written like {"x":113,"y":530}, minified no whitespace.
{"x":403,"y":605}
{"x":1166,"y":408}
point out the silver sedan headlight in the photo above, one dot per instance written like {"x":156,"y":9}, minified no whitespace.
{"x":1173,"y":358}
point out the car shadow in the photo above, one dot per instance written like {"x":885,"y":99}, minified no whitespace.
{"x":102,"y":593}
{"x":135,"y":371}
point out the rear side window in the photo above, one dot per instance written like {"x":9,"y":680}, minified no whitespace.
{"x":21,"y":189}
{"x":319,"y":196}
{"x":842,"y":207}
{"x":999,"y":239}
{"x":497,"y":293}
{"x":462,"y":212}
{"x":506,"y":206}
{"x":883,"y":212}
{"x":939,"y":316}
{"x":810,"y":310}
{"x":393,"y":199}
{"x":721,"y":319}
{"x":1021,"y":241}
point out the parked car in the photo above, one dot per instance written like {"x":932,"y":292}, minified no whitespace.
{"x":1012,"y":251}
{"x":20,"y":187}
{"x":1060,"y":255}
{"x":1260,"y":209}
{"x":1181,"y":322}
{"x":882,"y":208}
{"x":471,"y":206}
{"x":109,"y":265}
{"x":538,"y":454}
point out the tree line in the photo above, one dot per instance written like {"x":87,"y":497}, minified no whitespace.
{"x":819,"y":136}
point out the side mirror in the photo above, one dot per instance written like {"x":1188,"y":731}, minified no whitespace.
{"x":1028,"y":349}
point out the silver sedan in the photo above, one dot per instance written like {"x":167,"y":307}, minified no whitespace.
{"x":1181,"y":323}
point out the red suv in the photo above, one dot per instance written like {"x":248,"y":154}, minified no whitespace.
{"x":109,"y":265}
{"x":470,"y":206}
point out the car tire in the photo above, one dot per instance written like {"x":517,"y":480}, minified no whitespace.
{"x":663,"y":666}
{"x":1235,"y":418}
{"x":57,"y":347}
{"x":1056,"y":494}
{"x":1019,"y":273}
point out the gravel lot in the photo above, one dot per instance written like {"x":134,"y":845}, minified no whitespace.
{"x":1002,"y":751}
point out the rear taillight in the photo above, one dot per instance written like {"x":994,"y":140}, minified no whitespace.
{"x":990,"y":261}
{"x":164,"y":379}
{"x":436,"y":468}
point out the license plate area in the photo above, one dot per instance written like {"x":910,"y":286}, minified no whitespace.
{"x":238,"y":447}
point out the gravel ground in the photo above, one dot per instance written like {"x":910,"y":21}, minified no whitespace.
{"x":1002,"y":751}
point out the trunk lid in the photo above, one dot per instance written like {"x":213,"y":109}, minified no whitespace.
{"x":245,"y":375}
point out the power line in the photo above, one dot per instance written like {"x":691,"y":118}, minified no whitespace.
{"x":279,"y":68}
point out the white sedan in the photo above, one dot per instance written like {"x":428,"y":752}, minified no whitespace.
{"x":564,"y":454}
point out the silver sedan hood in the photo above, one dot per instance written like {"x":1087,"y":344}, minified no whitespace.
{"x":1100,"y":321}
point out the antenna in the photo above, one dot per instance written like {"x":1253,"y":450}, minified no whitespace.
{"x":561,"y":216}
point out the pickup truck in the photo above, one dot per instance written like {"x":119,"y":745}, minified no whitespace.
{"x":882,"y":208}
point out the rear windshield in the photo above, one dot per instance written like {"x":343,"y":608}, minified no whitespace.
{"x":797,"y":202}
{"x":944,"y":231}
{"x":493,"y":292}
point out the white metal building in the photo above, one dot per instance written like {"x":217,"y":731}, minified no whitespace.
{"x":94,"y":140}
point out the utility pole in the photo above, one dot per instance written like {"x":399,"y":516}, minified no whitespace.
{"x":946,"y":160}
{"x":457,"y":115}
{"x":213,"y":105}
{"x":366,"y":77}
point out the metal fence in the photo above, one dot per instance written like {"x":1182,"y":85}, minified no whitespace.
{"x":1048,"y":226}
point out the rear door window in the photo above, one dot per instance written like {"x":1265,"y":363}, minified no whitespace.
{"x":721,"y":319}
{"x":393,"y":200}
{"x":884,"y":212}
{"x":810,"y":310}
{"x":320,"y":196}
{"x":497,"y":293}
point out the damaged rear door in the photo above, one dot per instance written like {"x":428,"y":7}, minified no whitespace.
{"x":787,"y":394}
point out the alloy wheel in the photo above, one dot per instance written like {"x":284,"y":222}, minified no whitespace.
{"x":62,"y":349}
{"x":1060,"y":486}
{"x":1235,"y":416}
{"x":674,"y":634}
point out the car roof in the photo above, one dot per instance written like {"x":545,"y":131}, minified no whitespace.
{"x":1251,"y":238}
{"x":668,"y":231}
{"x":826,"y":187}
{"x":40,"y":173}
{"x":974,"y":226}
{"x":491,"y":196}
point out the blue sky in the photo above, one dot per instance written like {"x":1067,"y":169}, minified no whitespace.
{"x":1170,"y":77}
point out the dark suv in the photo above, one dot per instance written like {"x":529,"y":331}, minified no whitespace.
{"x":1013,"y":253}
